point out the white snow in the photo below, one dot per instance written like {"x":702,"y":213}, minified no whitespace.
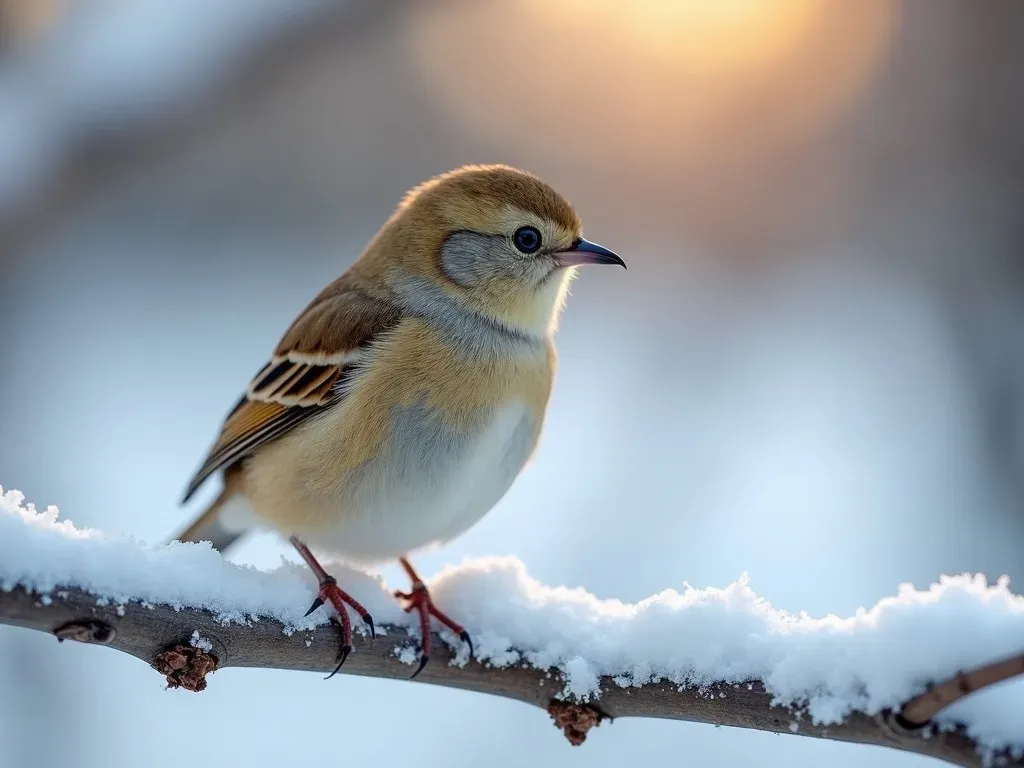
{"x":828,"y":666}
{"x":42,"y":553}
{"x":200,"y":642}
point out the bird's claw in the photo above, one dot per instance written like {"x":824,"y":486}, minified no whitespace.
{"x":345,"y":651}
{"x":316,"y":604}
{"x":423,"y":662}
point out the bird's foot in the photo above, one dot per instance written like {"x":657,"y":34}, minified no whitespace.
{"x":331,"y":593}
{"x":419,"y":600}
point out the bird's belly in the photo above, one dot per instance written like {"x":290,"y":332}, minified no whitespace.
{"x":432,"y":483}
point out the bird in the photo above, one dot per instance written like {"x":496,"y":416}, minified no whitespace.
{"x":404,"y":400}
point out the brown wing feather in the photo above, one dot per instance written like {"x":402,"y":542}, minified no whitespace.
{"x":290,"y":383}
{"x":337,"y":321}
{"x":302,"y":378}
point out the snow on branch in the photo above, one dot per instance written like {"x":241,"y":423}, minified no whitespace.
{"x":894,"y":675}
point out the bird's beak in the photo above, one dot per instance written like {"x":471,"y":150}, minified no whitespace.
{"x":586,"y":252}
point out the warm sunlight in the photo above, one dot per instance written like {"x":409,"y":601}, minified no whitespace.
{"x":733,"y":36}
{"x":366,"y":431}
{"x":669,"y":84}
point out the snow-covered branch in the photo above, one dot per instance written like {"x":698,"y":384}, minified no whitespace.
{"x":721,"y":656}
{"x":177,"y":642}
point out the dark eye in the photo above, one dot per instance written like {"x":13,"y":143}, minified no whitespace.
{"x":527,"y":239}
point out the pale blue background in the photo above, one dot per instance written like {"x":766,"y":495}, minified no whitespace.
{"x":811,"y":372}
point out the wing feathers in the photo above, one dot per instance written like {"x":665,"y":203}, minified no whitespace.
{"x":291,"y":383}
{"x":338,"y":321}
{"x":271,"y":372}
{"x":304,"y":376}
{"x":257,"y":423}
{"x":312,"y":379}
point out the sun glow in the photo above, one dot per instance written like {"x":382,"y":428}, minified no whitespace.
{"x":660,"y":84}
{"x":730,"y":36}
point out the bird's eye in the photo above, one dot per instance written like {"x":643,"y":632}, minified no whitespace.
{"x":527,"y":239}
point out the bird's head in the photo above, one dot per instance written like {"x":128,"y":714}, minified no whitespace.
{"x":496,"y":240}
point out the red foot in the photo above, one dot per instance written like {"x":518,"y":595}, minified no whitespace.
{"x":331,"y":593}
{"x":419,"y":600}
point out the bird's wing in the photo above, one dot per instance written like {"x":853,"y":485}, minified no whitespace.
{"x":304,"y":375}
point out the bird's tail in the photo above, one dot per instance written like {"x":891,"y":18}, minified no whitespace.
{"x":220,"y":524}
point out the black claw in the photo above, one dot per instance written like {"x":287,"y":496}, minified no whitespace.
{"x":316,"y":604}
{"x":423,"y":662}
{"x":368,"y":620}
{"x":345,"y":651}
{"x":464,"y":637}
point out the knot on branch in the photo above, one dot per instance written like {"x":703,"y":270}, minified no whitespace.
{"x":86,"y":631}
{"x":185,"y":667}
{"x":575,"y":720}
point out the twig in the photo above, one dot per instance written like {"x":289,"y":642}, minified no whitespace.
{"x":917,"y":712}
{"x":159,"y":635}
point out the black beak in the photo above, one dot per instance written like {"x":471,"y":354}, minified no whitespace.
{"x":586,"y":252}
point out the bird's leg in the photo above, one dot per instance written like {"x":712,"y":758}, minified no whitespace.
{"x":331,"y":593}
{"x":419,"y":599}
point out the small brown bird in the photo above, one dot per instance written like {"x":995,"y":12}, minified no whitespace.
{"x":404,"y":400}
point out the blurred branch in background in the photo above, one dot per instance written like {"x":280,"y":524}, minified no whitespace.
{"x":24,"y":22}
{"x":165,"y":637}
{"x":819,"y":355}
{"x":87,"y":89}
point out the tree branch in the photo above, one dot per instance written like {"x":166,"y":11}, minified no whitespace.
{"x":918,"y":711}
{"x":93,"y":153}
{"x":160,"y":636}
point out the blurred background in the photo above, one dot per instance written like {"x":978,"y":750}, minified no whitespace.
{"x":818,"y":371}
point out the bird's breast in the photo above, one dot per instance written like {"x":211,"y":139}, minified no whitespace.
{"x":427,"y":484}
{"x":424,"y":444}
